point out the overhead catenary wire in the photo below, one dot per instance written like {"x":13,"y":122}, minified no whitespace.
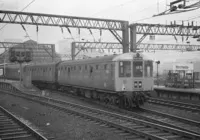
{"x":21,"y":11}
{"x":111,"y":7}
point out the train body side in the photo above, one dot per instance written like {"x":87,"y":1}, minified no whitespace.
{"x":43,"y":72}
{"x":95,"y":73}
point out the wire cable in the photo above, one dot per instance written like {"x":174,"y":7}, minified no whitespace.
{"x":21,"y":11}
{"x":122,"y":4}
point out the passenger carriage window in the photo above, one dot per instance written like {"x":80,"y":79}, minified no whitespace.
{"x":79,"y":67}
{"x":124,"y":69}
{"x":97,"y":67}
{"x":148,"y":67}
{"x":85,"y":67}
{"x":137,"y":69}
{"x":105,"y":66}
{"x":91,"y":70}
{"x":68,"y":71}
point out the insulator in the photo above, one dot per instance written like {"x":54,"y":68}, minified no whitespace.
{"x":173,"y":8}
{"x":37,"y":28}
{"x":187,"y":38}
{"x":68,"y":30}
{"x":195,"y":28}
{"x":79,"y":31}
{"x":180,"y":6}
{"x":61,"y":29}
{"x":23,"y":27}
{"x":90,"y":31}
{"x":196,"y":36}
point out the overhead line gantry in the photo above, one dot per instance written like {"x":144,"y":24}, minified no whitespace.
{"x":159,"y":29}
{"x":81,"y":46}
{"x":14,"y":17}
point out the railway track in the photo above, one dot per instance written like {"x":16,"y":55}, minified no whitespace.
{"x":178,"y":105}
{"x":151,"y":116}
{"x":128,"y":126}
{"x":11,"y":128}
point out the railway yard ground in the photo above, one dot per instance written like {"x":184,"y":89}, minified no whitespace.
{"x":55,"y":124}
{"x":59,"y":125}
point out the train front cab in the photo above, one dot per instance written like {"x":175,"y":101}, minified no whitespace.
{"x":134,"y":78}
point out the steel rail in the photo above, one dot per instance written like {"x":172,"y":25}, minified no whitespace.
{"x":175,"y":104}
{"x":140,"y":124}
{"x":14,"y":128}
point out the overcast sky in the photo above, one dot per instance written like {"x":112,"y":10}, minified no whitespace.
{"x":130,"y":10}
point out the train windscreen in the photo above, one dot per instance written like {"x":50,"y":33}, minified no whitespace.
{"x":124,"y":69}
{"x":137,"y":68}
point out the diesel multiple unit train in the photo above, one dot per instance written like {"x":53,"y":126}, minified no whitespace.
{"x":122,"y":80}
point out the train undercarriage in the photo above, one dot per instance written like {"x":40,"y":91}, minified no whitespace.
{"x":120,"y":99}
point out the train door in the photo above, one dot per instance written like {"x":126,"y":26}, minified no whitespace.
{"x":123,"y":75}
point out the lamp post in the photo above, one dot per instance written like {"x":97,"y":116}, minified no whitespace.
{"x":157,"y":62}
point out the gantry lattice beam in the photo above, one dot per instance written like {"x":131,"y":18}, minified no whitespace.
{"x":77,"y":47}
{"x":15,"y":17}
{"x":146,"y":46}
{"x":159,"y":29}
{"x":11,"y":44}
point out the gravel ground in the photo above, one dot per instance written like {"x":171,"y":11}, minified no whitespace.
{"x":56,"y":124}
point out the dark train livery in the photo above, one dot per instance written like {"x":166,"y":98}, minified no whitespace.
{"x":122,"y":79}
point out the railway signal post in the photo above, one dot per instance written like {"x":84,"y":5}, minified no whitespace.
{"x":157,"y":62}
{"x":20,"y":55}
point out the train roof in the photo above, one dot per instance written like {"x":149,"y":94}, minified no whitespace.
{"x":118,"y":57}
{"x":43,"y":64}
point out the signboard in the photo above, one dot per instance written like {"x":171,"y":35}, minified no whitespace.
{"x":183,"y":66}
